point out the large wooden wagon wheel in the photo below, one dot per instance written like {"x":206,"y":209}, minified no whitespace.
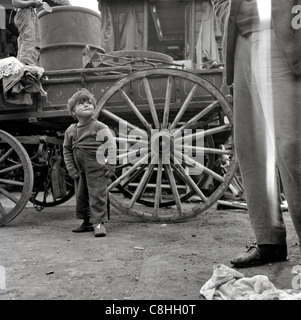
{"x":163,"y":119}
{"x":16,"y":177}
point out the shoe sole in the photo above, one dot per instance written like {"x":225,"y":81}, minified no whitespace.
{"x":83,"y":230}
{"x":249,"y":265}
{"x":260,"y":263}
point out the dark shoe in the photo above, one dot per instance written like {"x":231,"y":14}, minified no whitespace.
{"x":99,"y":230}
{"x":259,"y":255}
{"x":84,"y":227}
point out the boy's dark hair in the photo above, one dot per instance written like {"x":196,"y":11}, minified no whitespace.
{"x":78,"y":96}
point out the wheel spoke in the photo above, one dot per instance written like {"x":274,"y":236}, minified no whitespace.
{"x":205,"y":150}
{"x":70,"y":185}
{"x":203,"y":133}
{"x":174,"y":189}
{"x":130,"y":153}
{"x":167,"y":102}
{"x":151,"y":103}
{"x":188,"y":180}
{"x":12,"y":182}
{"x":6,"y":155}
{"x":37,"y":190}
{"x":184,"y":106}
{"x":192,"y":163}
{"x":197,"y":117}
{"x":129,"y":172}
{"x":134,"y":176}
{"x":136,"y":110}
{"x":120,"y":120}
{"x":158,"y":193}
{"x":8,"y":169}
{"x":122,"y":166}
{"x":133,"y":141}
{"x":9,"y":195}
{"x":142,"y":185}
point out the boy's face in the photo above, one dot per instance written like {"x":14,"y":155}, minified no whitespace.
{"x":83,"y":109}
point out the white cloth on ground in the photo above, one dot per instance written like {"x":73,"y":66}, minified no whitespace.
{"x":229,"y":284}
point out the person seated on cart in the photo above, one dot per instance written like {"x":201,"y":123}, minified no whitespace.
{"x":26,"y":21}
{"x":90,"y":155}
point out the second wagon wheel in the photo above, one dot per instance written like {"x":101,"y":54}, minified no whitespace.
{"x":163,"y":119}
{"x":16,"y":177}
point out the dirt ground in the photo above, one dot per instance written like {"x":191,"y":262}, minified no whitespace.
{"x":44,"y":260}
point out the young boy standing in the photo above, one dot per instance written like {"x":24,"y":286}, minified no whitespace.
{"x":83,"y":141}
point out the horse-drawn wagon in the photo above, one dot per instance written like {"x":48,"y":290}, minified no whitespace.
{"x":173,"y":128}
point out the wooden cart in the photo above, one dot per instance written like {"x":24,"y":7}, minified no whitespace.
{"x":173,"y":129}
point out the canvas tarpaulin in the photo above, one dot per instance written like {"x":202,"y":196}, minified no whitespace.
{"x":131,"y":36}
{"x":107,"y":30}
{"x":206,"y":43}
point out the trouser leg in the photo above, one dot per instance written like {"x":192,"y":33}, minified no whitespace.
{"x":82,"y":199}
{"x":97,"y":189}
{"x":28,"y":39}
{"x":255,"y":150}
{"x":81,"y":188}
{"x":284,"y":113}
{"x":286,"y":89}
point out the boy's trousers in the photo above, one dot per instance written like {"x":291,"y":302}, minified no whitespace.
{"x":91,"y":188}
{"x":267,"y":134}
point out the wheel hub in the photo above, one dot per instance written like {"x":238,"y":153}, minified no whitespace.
{"x":162,"y":145}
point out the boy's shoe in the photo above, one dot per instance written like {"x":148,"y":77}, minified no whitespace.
{"x":99,"y":230}
{"x":84,"y":227}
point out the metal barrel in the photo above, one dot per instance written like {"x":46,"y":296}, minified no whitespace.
{"x":65,"y":32}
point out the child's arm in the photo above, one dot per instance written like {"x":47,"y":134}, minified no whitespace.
{"x":68,"y":157}
{"x":27,"y":3}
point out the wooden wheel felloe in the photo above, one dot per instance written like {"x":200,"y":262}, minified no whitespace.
{"x":16,"y":177}
{"x":162,"y":118}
